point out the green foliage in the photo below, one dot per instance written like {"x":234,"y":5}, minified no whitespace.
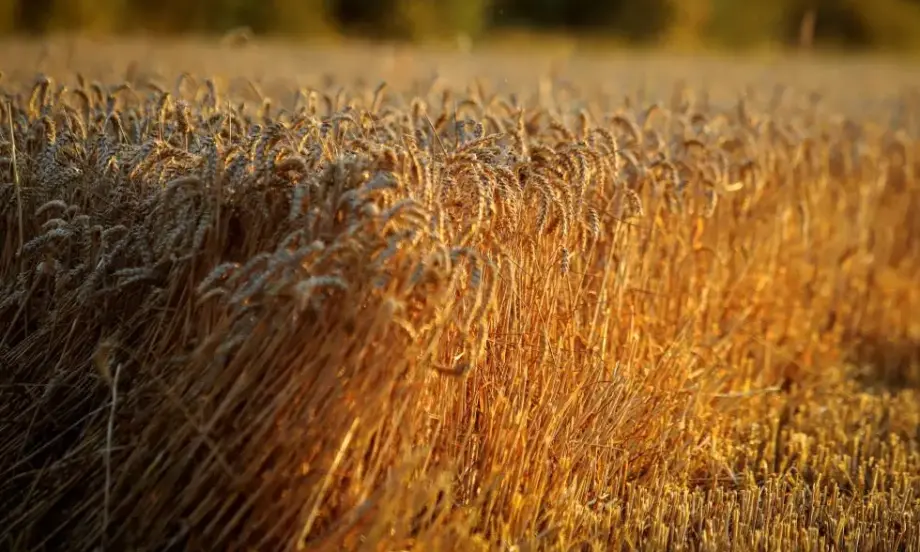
{"x":297,"y":17}
{"x":738,"y":25}
{"x":889,"y":24}
{"x":425,"y":19}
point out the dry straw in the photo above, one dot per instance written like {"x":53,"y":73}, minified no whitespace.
{"x":352,"y":324}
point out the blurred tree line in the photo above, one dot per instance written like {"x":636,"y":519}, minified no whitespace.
{"x":890,"y":24}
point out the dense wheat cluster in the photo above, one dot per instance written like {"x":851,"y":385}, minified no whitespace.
{"x":439,"y":317}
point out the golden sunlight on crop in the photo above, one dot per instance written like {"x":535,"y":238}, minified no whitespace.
{"x":266,"y":299}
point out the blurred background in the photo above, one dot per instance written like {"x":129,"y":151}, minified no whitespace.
{"x":889,"y":25}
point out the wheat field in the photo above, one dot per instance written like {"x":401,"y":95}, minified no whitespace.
{"x":270,"y":298}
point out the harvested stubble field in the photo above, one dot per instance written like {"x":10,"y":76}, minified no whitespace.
{"x":251,"y":300}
